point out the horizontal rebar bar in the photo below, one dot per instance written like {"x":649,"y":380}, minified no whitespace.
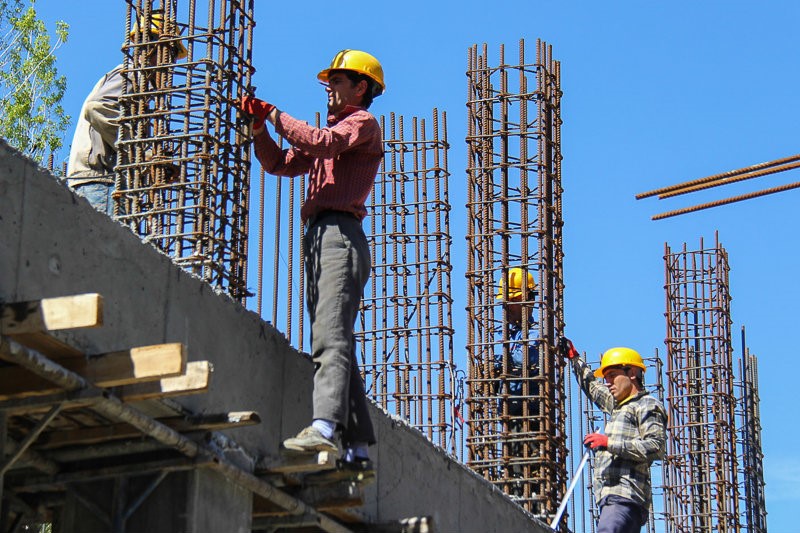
{"x":733,"y":199}
{"x":734,"y":179}
{"x":717,"y":177}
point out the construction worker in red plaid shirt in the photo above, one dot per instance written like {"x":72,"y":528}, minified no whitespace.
{"x":342,"y":161}
{"x":634,"y":437}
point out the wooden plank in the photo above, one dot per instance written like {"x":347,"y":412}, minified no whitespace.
{"x":332,"y":496}
{"x":417,"y":524}
{"x":49,"y":346}
{"x":284,"y":521}
{"x":120,"y":431}
{"x":287,"y":463}
{"x":51,"y":314}
{"x":148,"y":363}
{"x":262,"y":507}
{"x":194,"y":381}
{"x":29,"y":322}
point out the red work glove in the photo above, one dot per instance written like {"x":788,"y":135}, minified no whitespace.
{"x":566,"y":348}
{"x":595,"y":441}
{"x":258,"y":109}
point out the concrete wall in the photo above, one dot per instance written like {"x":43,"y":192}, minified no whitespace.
{"x":53,"y":243}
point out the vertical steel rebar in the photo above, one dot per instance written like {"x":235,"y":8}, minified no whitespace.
{"x":515,"y":221}
{"x":405,"y":329}
{"x":753,"y":500}
{"x":701,"y":491}
{"x":183,"y":169}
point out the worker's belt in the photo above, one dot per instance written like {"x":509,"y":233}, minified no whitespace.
{"x":77,"y":182}
{"x":319,"y":217}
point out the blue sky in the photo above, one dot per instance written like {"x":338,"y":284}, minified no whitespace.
{"x":654,"y":94}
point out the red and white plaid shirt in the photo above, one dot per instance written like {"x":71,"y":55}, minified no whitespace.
{"x":342,"y":160}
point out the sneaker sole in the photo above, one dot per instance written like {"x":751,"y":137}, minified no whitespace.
{"x":310,"y":450}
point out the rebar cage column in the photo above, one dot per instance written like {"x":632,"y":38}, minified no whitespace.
{"x":183,"y":172}
{"x":516,"y":421}
{"x":405,"y":330}
{"x":700,"y":486}
{"x":753,"y":499}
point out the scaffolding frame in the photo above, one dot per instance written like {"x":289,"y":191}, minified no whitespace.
{"x":701,"y":492}
{"x":514,"y":220}
{"x":183,"y":169}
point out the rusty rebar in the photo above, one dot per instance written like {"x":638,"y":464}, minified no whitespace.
{"x":183,"y":169}
{"x":733,"y":176}
{"x":721,"y":177}
{"x":405,"y":328}
{"x":517,"y":416}
{"x":725,"y":201}
{"x":752,"y":468}
{"x":733,"y":179}
{"x":701,"y":491}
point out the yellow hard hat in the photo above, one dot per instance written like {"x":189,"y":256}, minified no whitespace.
{"x":357,"y":61}
{"x":515,"y":284}
{"x":156,"y":24}
{"x":619,"y":356}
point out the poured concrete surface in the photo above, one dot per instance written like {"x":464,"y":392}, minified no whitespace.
{"x":53,"y":243}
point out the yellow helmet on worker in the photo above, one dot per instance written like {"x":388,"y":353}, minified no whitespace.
{"x":514,"y":276}
{"x":360,"y":62}
{"x":156,"y":26}
{"x":619,"y":356}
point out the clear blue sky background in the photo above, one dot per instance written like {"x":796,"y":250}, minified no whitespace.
{"x":654,"y":94}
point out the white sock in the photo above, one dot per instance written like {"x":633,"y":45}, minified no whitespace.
{"x":357,"y":450}
{"x":326,"y":427}
{"x":349,"y":455}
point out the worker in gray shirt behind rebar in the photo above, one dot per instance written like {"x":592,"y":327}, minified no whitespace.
{"x":93,"y":154}
{"x":634,"y":436}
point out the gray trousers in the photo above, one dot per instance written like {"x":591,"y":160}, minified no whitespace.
{"x":337,"y":268}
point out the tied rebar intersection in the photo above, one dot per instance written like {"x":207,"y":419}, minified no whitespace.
{"x":713,"y":472}
{"x":516,"y":400}
{"x":183,"y":169}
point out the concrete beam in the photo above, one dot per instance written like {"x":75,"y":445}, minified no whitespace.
{"x":53,"y":243}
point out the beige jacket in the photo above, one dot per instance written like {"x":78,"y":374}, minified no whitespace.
{"x":93,"y":152}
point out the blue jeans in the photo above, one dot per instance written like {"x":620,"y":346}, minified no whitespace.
{"x":99,"y":195}
{"x":620,"y":515}
{"x":337,"y":268}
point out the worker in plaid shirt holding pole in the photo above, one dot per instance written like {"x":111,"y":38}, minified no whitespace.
{"x":635,"y":436}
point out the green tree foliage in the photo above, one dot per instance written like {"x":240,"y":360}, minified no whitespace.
{"x":31,"y":116}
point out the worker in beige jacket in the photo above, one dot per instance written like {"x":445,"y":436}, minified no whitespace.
{"x":93,"y":154}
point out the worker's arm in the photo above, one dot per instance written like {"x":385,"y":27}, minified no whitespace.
{"x":102,"y":107}
{"x":597,"y":392}
{"x":355,"y":129}
{"x":645,"y":440}
{"x":279,"y":162}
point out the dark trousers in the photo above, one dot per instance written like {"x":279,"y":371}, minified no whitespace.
{"x":620,"y":515}
{"x":337,"y":267}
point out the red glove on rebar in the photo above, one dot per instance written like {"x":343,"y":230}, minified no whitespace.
{"x":566,"y":348}
{"x":259,"y":109}
{"x":595,"y":441}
